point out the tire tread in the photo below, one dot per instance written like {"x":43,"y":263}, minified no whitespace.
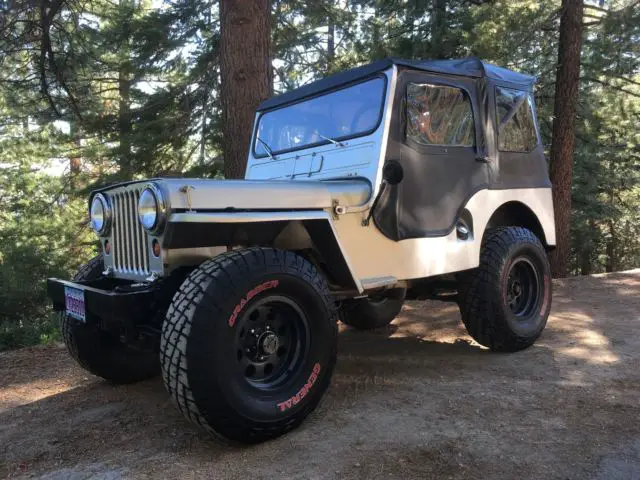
{"x":101,"y":355}
{"x":481,"y":316}
{"x":221,"y":274}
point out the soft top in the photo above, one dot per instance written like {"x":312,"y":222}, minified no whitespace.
{"x":468,"y":67}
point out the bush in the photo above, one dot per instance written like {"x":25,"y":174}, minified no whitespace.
{"x":23,"y":334}
{"x":41,"y":235}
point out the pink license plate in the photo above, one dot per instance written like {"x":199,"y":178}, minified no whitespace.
{"x":74,"y":303}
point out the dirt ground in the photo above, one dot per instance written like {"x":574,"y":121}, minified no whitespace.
{"x":416,"y":400}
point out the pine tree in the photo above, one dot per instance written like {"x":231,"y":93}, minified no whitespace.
{"x":563,"y":142}
{"x":121,"y":90}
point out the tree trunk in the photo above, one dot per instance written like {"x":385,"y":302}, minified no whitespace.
{"x":124,"y":96}
{"x":203,"y":127}
{"x":75,"y":162}
{"x":438,"y":29}
{"x":585,"y":261}
{"x":124,"y":124}
{"x":563,"y":140}
{"x":331,"y":43}
{"x":611,"y":250}
{"x":586,"y":253}
{"x":245,"y":71}
{"x":378,"y":49}
{"x":208,"y":83}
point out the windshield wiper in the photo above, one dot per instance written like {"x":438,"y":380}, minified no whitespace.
{"x":335,"y":142}
{"x":267,"y":148}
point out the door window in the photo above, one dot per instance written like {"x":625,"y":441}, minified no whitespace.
{"x":438,"y":115}
{"x":516,"y":125}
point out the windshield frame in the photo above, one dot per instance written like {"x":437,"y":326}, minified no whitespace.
{"x":322,"y":142}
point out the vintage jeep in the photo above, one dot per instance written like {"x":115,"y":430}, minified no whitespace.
{"x":417,"y":179}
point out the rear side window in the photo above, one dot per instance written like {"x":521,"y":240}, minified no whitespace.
{"x":516,"y":126}
{"x":439,"y":115}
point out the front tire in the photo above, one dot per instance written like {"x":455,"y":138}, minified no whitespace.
{"x":102,"y":353}
{"x":375,"y":311}
{"x":249,"y":343}
{"x":506,"y":301}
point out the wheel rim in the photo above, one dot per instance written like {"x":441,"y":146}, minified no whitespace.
{"x":272,"y":341}
{"x":523,"y":288}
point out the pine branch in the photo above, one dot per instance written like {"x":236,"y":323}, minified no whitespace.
{"x":45,"y":46}
{"x":609,"y":85}
{"x":48,"y":11}
{"x":608,"y":12}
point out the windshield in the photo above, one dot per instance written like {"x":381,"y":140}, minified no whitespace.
{"x":339,"y":115}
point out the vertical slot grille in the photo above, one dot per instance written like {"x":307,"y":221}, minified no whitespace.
{"x":130,"y":247}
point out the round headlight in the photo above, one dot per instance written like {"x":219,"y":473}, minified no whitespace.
{"x":100,"y":214}
{"x":151,"y":209}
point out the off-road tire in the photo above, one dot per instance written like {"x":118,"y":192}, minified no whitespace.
{"x":373,"y":312}
{"x":200,"y":358}
{"x":100,"y":352}
{"x":483,"y":292}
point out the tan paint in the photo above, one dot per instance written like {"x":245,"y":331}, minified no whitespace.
{"x":261,"y":194}
{"x":371,"y":254}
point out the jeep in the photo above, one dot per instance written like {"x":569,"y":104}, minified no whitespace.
{"x":394,"y":180}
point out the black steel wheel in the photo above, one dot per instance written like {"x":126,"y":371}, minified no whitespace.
{"x":249,"y":343}
{"x":506,"y":301}
{"x":523,"y":287}
{"x":375,"y":311}
{"x":272,"y":340}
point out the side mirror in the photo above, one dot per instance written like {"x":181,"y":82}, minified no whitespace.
{"x":392,"y":172}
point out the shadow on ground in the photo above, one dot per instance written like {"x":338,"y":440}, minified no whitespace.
{"x":419,"y":399}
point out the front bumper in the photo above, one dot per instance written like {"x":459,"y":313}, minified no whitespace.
{"x":107,"y":306}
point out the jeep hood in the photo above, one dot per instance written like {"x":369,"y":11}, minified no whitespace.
{"x":262,"y":194}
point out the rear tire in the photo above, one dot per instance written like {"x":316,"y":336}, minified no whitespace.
{"x":102,"y":353}
{"x":506,"y":301}
{"x":373,"y":312}
{"x":249,"y":343}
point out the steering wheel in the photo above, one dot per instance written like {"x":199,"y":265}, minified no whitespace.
{"x":359,"y":113}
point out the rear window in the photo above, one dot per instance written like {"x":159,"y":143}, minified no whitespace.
{"x":516,"y":126}
{"x":439,"y":115}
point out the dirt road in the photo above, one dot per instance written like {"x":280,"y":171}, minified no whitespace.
{"x":417,"y":400}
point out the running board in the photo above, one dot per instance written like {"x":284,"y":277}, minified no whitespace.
{"x":378,"y":282}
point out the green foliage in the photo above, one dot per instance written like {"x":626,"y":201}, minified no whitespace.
{"x":43,"y":229}
{"x":43,"y":233}
{"x":136,"y":85}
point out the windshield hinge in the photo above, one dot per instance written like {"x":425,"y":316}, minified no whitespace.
{"x":337,"y":209}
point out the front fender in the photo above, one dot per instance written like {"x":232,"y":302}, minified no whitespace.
{"x":308,"y":230}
